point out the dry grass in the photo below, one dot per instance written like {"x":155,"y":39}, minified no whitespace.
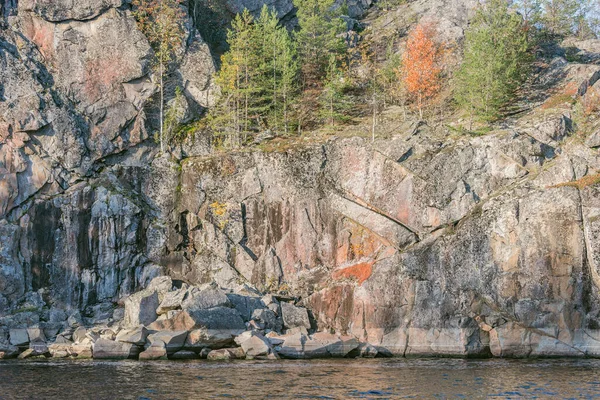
{"x":582,"y":183}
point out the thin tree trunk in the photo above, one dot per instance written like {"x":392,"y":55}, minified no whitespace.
{"x":374,"y":120}
{"x":162,"y":106}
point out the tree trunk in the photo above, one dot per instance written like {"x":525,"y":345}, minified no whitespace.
{"x":162,"y":106}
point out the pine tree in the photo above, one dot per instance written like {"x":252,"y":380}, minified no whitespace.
{"x":318,"y":38}
{"x":160,"y":21}
{"x":559,"y":16}
{"x":334,"y":104}
{"x":494,"y":63}
{"x":231,"y":116}
{"x":277,"y":69}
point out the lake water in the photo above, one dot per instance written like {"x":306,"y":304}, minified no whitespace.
{"x":319,"y":379}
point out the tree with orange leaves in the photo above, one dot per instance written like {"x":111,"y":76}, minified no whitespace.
{"x":422,"y":65}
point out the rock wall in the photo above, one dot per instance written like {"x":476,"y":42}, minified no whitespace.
{"x":421,"y":243}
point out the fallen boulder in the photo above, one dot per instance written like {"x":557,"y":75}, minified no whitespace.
{"x":18,"y":337}
{"x":257,"y":345}
{"x":140,"y":308}
{"x":205,"y":297}
{"x":156,"y":351}
{"x":198,"y":339}
{"x":135,"y":336}
{"x":294,"y":317}
{"x":108,"y":349}
{"x":173,"y":340}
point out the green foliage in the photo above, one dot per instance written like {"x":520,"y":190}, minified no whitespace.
{"x":334,"y":102}
{"x":319,"y":37}
{"x":560,"y":15}
{"x":175,"y":114}
{"x":495,"y":61}
{"x":257,"y":78}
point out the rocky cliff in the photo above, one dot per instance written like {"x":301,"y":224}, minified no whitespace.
{"x":424,"y":242}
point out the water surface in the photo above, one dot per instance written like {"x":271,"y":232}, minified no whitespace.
{"x":318,"y":379}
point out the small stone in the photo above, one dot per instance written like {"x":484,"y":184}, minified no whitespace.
{"x":204,"y":352}
{"x":26,"y":354}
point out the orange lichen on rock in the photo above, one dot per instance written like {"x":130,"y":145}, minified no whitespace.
{"x":361,"y":272}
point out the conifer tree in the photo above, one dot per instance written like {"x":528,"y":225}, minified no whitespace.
{"x":319,"y":37}
{"x":559,"y":16}
{"x":160,"y":21}
{"x":333,"y":101}
{"x":257,"y":77}
{"x":494,"y":63}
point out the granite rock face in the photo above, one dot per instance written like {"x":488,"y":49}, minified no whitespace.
{"x":421,"y":243}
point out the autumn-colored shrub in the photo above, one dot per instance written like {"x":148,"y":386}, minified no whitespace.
{"x":422,"y":65}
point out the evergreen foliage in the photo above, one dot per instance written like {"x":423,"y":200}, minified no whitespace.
{"x":495,"y":61}
{"x":319,"y":37}
{"x":257,"y":78}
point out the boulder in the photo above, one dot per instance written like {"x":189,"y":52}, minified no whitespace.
{"x":83,"y":350}
{"x":140,"y":308}
{"x":26,"y":354}
{"x":242,"y":337}
{"x":135,"y":336}
{"x":18,"y":337}
{"x":220,"y":354}
{"x":161,"y":285}
{"x":203,"y":354}
{"x":8,"y":351}
{"x":108,"y":349}
{"x":203,"y":298}
{"x":156,"y":351}
{"x":268,"y":319}
{"x":79,"y":334}
{"x":245,"y":305}
{"x":336,"y":346}
{"x":60,"y":350}
{"x":294,"y":317}
{"x":198,"y":339}
{"x":173,"y":340}
{"x":218,"y":318}
{"x":299,"y":345}
{"x":171,"y":301}
{"x":39,"y":348}
{"x":256,"y":345}
{"x":36,"y":334}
